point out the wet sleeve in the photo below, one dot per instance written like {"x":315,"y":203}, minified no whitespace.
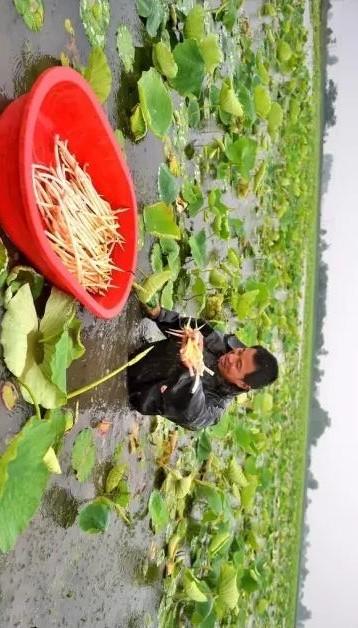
{"x":168,"y":319}
{"x":193,"y":411}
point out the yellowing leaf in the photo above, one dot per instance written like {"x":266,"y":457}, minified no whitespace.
{"x":83,"y":454}
{"x":51,"y":461}
{"x":98,"y":74}
{"x":227,"y":589}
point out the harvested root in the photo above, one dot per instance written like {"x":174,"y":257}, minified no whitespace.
{"x":81,"y":226}
{"x":191,"y":352}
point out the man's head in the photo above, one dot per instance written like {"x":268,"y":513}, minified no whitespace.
{"x":248,"y":367}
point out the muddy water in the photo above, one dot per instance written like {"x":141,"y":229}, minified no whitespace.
{"x":56,"y":575}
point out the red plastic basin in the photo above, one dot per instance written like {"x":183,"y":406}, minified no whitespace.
{"x":61,"y":102}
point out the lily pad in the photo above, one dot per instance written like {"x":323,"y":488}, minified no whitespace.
{"x":98,"y":74}
{"x":94,"y":517}
{"x":32,"y":12}
{"x":191,"y":68}
{"x":211,"y":52}
{"x":95,"y":16}
{"x":125,"y":47}
{"x":164,"y":60}
{"x":159,"y":220}
{"x":168,"y":184}
{"x":156,"y":103}
{"x":262,"y":101}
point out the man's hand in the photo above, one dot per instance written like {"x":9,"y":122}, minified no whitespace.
{"x":152,"y":312}
{"x":197,"y":337}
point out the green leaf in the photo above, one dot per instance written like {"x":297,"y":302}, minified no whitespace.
{"x":156,"y":261}
{"x":229,"y":101}
{"x":51,"y":461}
{"x":159,"y":220}
{"x":275,"y":117}
{"x":203,"y":447}
{"x":166,"y":299}
{"x":19,"y":323}
{"x":218,"y":278}
{"x":213,"y":496}
{"x":191,"y":68}
{"x":156,"y":102}
{"x":125,"y":47}
{"x":243,"y":304}
{"x":83,"y":454}
{"x":138,"y":124}
{"x":98,"y":74}
{"x":248,"y":493}
{"x":199,"y":293}
{"x":59,"y":312}
{"x":24,"y":475}
{"x":193,"y":195}
{"x":284,"y":51}
{"x":164,"y":60}
{"x":18,"y":276}
{"x":236,"y":474}
{"x":193,"y":587}
{"x":262,"y":100}
{"x":168,"y":185}
{"x":114,"y":477}
{"x":243,"y":153}
{"x":211,"y":52}
{"x":170,"y":249}
{"x":227,"y":587}
{"x":154,"y":11}
{"x":194,"y":24}
{"x":193,"y":112}
{"x":197,"y":243}
{"x":158,"y":511}
{"x":94,"y":517}
{"x":152,"y":285}
{"x":32,"y":12}
{"x":219,"y":543}
{"x":263,"y":403}
{"x":95,"y":16}
{"x":144,"y":7}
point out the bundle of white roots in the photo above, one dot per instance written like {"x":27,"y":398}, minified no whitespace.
{"x":191,"y":353}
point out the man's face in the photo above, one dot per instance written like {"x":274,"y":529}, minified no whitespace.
{"x":236,"y":364}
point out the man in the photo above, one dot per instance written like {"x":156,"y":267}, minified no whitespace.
{"x":161,"y":383}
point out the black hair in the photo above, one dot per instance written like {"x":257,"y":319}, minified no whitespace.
{"x":266,"y":369}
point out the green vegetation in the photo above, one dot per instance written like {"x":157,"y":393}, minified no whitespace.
{"x":227,"y":515}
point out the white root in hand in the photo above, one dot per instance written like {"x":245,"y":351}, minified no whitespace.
{"x":191,"y":353}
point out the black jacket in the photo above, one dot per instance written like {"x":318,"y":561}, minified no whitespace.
{"x":162,"y":366}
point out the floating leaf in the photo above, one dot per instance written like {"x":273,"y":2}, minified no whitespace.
{"x":138,"y":124}
{"x":219,"y":543}
{"x":152,"y":285}
{"x":248,"y":493}
{"x":193,"y":587}
{"x":236,"y":474}
{"x":227,"y":587}
{"x":98,"y":74}
{"x":194,"y":24}
{"x":9,"y":395}
{"x":284,"y":51}
{"x":197,"y":243}
{"x":193,"y":112}
{"x":193,"y":195}
{"x":170,"y":249}
{"x":114,"y":477}
{"x":18,"y":276}
{"x":125,"y":47}
{"x":51,"y":461}
{"x":262,"y":101}
{"x":166,"y":299}
{"x":203,"y":447}
{"x":229,"y":101}
{"x":156,"y":261}
{"x":243,"y":304}
{"x":191,"y":68}
{"x":275,"y":117}
{"x":158,"y":511}
{"x":263,"y":403}
{"x":95,"y":16}
{"x":94,"y":517}
{"x":168,"y":184}
{"x":159,"y":220}
{"x":32,"y":12}
{"x":153,"y":10}
{"x":243,"y":153}
{"x":164,"y":60}
{"x":211,"y":52}
{"x":83,"y":454}
{"x":156,"y":102}
{"x":218,"y":278}
{"x":24,"y":475}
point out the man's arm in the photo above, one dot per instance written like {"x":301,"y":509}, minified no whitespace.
{"x":168,"y":319}
{"x":193,"y":411}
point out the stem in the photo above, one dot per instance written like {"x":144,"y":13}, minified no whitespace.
{"x":34,"y":402}
{"x":83,"y":389}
